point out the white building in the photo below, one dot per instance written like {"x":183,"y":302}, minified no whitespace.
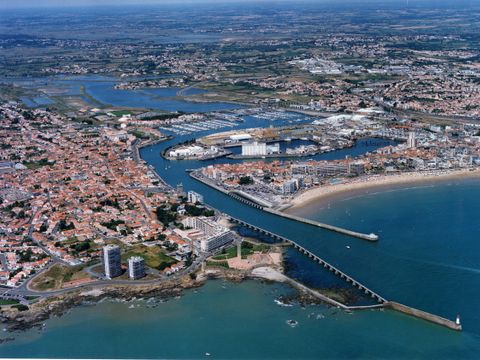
{"x":112,"y":261}
{"x":240,"y":137}
{"x":194,"y":197}
{"x":290,"y":186}
{"x":214,"y":242}
{"x":136,"y":267}
{"x":254,"y":149}
{"x":214,"y":235}
{"x":193,"y":150}
{"x":273,"y":148}
{"x":411,"y":142}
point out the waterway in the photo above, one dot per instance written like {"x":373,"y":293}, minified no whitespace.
{"x":427,"y":257}
{"x":100,"y":91}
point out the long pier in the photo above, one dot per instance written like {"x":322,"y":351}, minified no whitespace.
{"x":382,"y":302}
{"x":266,"y":206}
{"x":315,"y":258}
{"x":368,"y":237}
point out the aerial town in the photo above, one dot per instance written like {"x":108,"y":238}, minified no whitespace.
{"x":146,"y":153}
{"x":421,"y":149}
{"x":67,"y":191}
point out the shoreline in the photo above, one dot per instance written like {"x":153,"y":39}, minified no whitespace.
{"x":366,"y":185}
{"x":15,"y":321}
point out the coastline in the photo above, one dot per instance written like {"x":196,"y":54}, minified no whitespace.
{"x":17,"y":321}
{"x":374,"y":183}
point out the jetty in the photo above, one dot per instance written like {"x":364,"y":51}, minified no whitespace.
{"x":381,"y":301}
{"x":266,"y":206}
{"x":314,"y":257}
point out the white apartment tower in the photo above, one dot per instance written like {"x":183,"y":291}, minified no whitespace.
{"x":411,"y":142}
{"x":136,"y":267}
{"x":112,"y":261}
{"x":194,"y":197}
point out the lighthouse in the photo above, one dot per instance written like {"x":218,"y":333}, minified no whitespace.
{"x":457,"y":320}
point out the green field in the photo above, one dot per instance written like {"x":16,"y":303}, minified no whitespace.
{"x":121,"y":112}
{"x":8,"y":302}
{"x":154,"y":256}
{"x":248,"y":248}
{"x":57,"y":275}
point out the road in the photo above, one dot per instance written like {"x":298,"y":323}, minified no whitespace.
{"x":24,"y":290}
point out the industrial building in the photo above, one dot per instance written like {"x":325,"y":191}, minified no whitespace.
{"x":254,"y":149}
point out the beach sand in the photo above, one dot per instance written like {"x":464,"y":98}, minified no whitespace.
{"x":374,"y":183}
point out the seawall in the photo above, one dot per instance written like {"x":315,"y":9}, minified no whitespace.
{"x":423,"y":315}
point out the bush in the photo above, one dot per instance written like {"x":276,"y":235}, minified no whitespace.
{"x":21,"y":307}
{"x":245,"y":180}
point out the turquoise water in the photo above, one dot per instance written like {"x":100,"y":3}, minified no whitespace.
{"x":427,"y":257}
{"x":236,"y":321}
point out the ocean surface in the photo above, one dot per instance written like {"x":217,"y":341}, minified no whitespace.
{"x":427,"y":257}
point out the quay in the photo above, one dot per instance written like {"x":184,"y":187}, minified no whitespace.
{"x":382,"y":302}
{"x":266,"y":206}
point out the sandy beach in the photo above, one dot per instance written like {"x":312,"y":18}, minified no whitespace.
{"x":367,"y":184}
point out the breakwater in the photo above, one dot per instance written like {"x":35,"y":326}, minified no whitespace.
{"x":423,"y":315}
{"x":314,"y":257}
{"x":266,"y":206}
{"x":382,"y":302}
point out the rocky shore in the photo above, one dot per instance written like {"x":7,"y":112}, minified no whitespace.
{"x":14,"y":320}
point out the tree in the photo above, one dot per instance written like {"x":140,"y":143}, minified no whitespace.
{"x":245,"y":180}
{"x":165,"y":216}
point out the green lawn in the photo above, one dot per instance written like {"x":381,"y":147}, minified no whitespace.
{"x":58,"y":274}
{"x":8,"y":302}
{"x":223,"y":264}
{"x":154,"y":256}
{"x":248,"y":248}
{"x":121,"y":112}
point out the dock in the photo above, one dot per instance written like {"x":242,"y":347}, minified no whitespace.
{"x":368,"y":237}
{"x":423,"y":315}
